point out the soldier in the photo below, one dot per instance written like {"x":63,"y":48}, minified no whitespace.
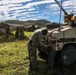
{"x":22,"y":33}
{"x":34,"y":41}
{"x":7,"y":31}
{"x":17,"y":32}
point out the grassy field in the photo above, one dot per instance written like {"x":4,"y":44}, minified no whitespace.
{"x":14,"y":58}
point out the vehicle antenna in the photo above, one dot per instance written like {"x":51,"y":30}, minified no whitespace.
{"x":60,"y":16}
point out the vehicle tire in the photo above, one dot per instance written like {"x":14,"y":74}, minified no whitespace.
{"x":68,"y":55}
{"x":41,"y":54}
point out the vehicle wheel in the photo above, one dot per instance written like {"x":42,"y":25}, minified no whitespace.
{"x":68,"y":56}
{"x":41,"y":54}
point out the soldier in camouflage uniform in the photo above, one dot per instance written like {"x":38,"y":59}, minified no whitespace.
{"x":7,"y":31}
{"x":34,"y":40}
{"x":17,"y":32}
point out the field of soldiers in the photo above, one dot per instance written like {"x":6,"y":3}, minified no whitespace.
{"x":14,"y":58}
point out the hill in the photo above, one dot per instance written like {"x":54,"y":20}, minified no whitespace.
{"x":28,"y":22}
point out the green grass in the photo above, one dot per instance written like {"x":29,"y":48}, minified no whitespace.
{"x":14,"y":57}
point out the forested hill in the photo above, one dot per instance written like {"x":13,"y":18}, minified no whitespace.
{"x":28,"y":22}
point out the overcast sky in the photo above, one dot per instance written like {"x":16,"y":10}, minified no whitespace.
{"x":34,"y":9}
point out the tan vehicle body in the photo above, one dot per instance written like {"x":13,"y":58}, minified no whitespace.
{"x":66,"y":35}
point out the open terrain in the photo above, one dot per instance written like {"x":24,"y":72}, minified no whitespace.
{"x":14,"y":59}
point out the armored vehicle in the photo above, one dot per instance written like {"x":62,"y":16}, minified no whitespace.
{"x":62,"y":40}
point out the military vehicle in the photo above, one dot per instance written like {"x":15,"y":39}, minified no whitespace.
{"x":62,"y":40}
